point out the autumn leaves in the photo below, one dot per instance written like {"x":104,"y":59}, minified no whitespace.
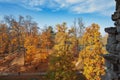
{"x":62,"y":60}
{"x":66,"y":51}
{"x":93,"y":47}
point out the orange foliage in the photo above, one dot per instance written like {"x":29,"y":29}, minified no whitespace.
{"x":4,"y":43}
{"x":38,"y":47}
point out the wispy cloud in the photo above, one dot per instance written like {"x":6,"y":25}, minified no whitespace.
{"x":91,"y":6}
{"x":75,"y":6}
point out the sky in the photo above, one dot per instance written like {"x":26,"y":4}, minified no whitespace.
{"x":52,"y":12}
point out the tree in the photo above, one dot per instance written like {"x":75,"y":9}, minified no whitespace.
{"x":47,"y":39}
{"x":4,"y":44}
{"x":38,"y":45}
{"x":21,"y":35}
{"x":79,"y":29}
{"x":78,"y":33}
{"x":61,"y":65}
{"x":93,"y":63}
{"x":15,"y":36}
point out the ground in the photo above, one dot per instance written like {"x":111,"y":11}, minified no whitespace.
{"x":12,"y":68}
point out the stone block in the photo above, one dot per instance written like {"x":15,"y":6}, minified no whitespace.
{"x":111,"y":58}
{"x":115,"y":16}
{"x":118,"y":29}
{"x":111,"y":48}
{"x":118,"y":47}
{"x":118,"y":9}
{"x":117,"y":4}
{"x":111,"y":30}
{"x":111,"y":39}
{"x":118,"y":37}
{"x":119,"y":54}
{"x":117,"y":23}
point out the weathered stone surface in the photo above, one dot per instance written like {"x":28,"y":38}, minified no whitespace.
{"x":111,"y":58}
{"x":111,"y":39}
{"x":111,"y":30}
{"x":118,"y":37}
{"x":118,"y":10}
{"x":117,"y":23}
{"x":118,"y":29}
{"x":115,"y":16}
{"x":118,"y":47}
{"x":117,"y":4}
{"x":119,"y":54}
{"x":111,"y":48}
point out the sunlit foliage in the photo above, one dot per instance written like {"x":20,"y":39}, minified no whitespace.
{"x":93,"y":62}
{"x":61,"y":65}
{"x":67,"y":49}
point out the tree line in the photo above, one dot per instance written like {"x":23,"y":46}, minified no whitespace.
{"x":69,"y":49}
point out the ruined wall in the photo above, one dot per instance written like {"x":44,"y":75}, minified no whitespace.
{"x":113,"y":47}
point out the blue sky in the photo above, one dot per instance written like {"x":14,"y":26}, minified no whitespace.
{"x":52,"y":12}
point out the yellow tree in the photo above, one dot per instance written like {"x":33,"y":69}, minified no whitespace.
{"x":61,"y":60}
{"x":91,"y":54}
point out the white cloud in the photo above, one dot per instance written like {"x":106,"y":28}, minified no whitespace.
{"x":74,"y":1}
{"x":34,"y":2}
{"x":32,"y":7}
{"x":76,"y":6}
{"x":92,"y":6}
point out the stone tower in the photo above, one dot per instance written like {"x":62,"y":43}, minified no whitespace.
{"x":113,"y":47}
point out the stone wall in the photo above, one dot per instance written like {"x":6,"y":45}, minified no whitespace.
{"x":113,"y":47}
